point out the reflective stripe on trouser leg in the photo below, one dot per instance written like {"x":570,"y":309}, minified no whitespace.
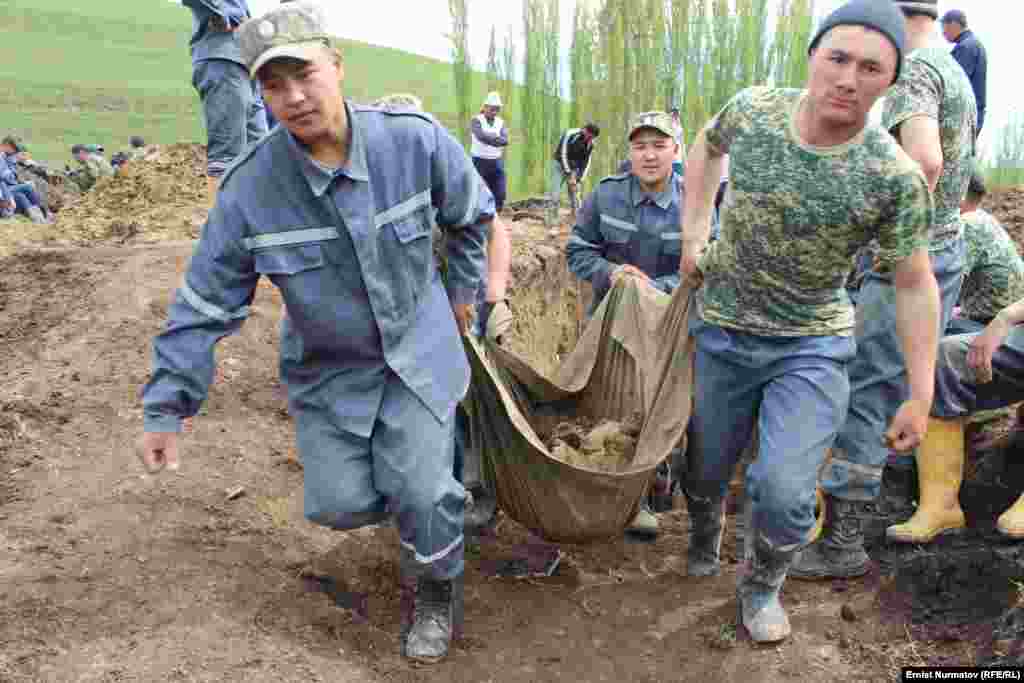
{"x":802,"y":409}
{"x":412,"y":466}
{"x":878,"y":381}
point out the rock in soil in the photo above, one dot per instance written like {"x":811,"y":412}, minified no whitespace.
{"x":607,"y":445}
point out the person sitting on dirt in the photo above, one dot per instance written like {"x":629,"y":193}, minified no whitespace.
{"x":931,"y":112}
{"x":569,"y":166}
{"x":629,"y":227}
{"x":994,"y":274}
{"x":24,"y":196}
{"x":773,"y":328}
{"x":92,"y":167}
{"x":370,"y":344}
{"x":975,"y":372}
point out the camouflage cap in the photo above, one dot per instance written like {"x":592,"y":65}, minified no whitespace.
{"x":658,"y":120}
{"x":294,"y":29}
{"x":15,"y":142}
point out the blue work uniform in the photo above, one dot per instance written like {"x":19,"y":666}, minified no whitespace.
{"x":621,"y":224}
{"x":232,"y":105}
{"x":370,"y":351}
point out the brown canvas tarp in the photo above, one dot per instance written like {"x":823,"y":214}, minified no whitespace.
{"x":635,"y":354}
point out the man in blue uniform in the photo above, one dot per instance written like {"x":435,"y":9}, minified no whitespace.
{"x":232,"y":108}
{"x":370,"y":349}
{"x":629,"y":227}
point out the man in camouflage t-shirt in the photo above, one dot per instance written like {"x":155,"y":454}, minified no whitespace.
{"x":994,"y":274}
{"x":931,"y":112}
{"x":811,"y":183}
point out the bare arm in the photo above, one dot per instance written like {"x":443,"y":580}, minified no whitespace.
{"x":919,"y":137}
{"x":499,"y":260}
{"x":917,"y":323}
{"x":704,"y":167}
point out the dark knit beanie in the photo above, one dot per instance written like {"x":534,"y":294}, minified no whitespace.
{"x":879,"y":15}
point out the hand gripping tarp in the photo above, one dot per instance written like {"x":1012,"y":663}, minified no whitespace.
{"x":635,"y":354}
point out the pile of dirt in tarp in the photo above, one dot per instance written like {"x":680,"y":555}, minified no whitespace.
{"x":604,"y":445}
{"x":160,"y":197}
{"x":1007,"y":205}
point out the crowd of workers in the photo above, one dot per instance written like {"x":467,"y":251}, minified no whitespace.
{"x":370,"y":347}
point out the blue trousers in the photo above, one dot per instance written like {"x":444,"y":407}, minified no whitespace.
{"x":961,"y":325}
{"x":232,"y":109}
{"x":404,"y":468}
{"x":957,"y":392}
{"x":797,"y":391}
{"x":25,"y":197}
{"x":878,"y":379}
{"x":493,"y":173}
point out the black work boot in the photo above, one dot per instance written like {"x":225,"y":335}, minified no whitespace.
{"x":435,"y":620}
{"x":899,"y":491}
{"x":839,"y":553}
{"x":707,"y":521}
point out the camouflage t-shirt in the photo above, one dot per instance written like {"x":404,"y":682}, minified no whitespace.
{"x":796,"y":215}
{"x":994,"y":276}
{"x":934,"y":85}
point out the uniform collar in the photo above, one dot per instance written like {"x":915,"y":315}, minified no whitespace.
{"x":663,"y":199}
{"x":964,"y":35}
{"x":319,"y":176}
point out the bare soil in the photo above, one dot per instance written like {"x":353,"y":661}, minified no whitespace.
{"x":108,"y":574}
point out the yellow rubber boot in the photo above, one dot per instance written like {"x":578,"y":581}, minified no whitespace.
{"x":940,"y":471}
{"x":1011,"y":522}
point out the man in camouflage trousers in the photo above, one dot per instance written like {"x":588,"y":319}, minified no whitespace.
{"x":811,"y":183}
{"x":93,"y":167}
{"x":994,"y":273}
{"x":931,"y":112}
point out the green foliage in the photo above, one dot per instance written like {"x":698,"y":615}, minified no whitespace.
{"x":694,"y":54}
{"x":90,"y":72}
{"x":1007,"y":166}
{"x":462,"y":70}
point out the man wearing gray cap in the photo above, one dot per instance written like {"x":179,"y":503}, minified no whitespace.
{"x":931,"y":113}
{"x":970,"y":54}
{"x":335,"y":207}
{"x":232,"y":109}
{"x":811,"y":182}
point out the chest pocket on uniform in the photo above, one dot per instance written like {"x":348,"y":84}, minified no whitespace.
{"x":404,"y":240}
{"x":617,"y":234}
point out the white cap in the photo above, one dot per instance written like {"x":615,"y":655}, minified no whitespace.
{"x":493,"y":99}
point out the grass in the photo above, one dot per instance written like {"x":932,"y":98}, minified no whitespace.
{"x":99,"y":72}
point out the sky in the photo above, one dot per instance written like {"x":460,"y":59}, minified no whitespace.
{"x":421,"y":26}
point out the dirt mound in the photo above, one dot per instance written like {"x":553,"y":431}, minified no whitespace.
{"x":1008,"y":206}
{"x":159,"y":197}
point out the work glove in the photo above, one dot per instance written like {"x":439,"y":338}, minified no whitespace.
{"x":495,"y":320}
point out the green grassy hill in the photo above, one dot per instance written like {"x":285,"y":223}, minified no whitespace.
{"x":74,"y":71}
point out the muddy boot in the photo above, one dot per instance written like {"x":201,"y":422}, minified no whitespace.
{"x":899,"y":491}
{"x":660,"y":497}
{"x":707,"y":521}
{"x":761,"y":612}
{"x":940,"y":467}
{"x":431,"y":613}
{"x":644,"y":524}
{"x":35,"y":214}
{"x":1011,"y":522}
{"x":839,"y":553}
